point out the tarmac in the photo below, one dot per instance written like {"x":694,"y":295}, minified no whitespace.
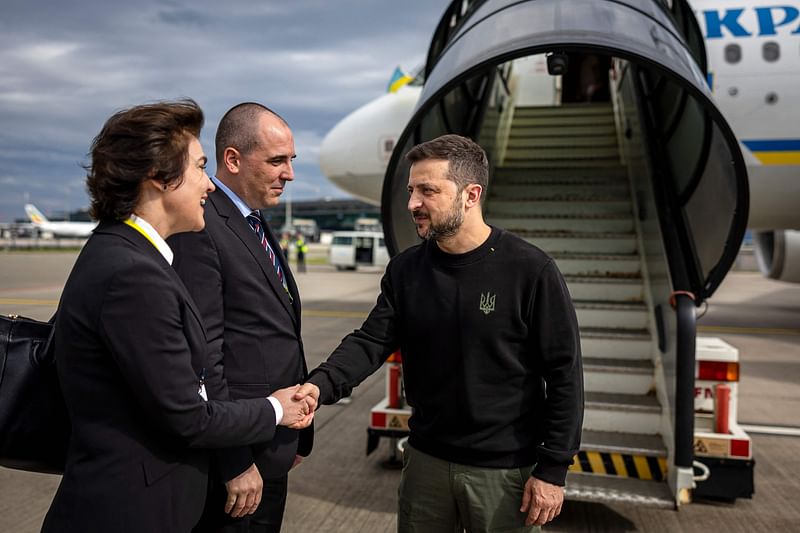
{"x":341,"y":489}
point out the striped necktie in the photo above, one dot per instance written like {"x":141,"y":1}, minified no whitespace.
{"x":255,"y":222}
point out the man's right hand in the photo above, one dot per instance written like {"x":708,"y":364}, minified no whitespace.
{"x":307,"y":390}
{"x":244,"y":493}
{"x":297,"y":413}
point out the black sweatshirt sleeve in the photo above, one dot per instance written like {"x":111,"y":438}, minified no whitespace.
{"x":558,"y":342}
{"x":361,"y":353}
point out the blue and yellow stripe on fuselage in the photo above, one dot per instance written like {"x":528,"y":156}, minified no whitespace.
{"x":775,"y":151}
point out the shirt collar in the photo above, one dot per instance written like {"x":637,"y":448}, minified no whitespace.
{"x":238,"y":202}
{"x":160,"y":244}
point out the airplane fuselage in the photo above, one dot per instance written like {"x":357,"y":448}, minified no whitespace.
{"x":753,"y":50}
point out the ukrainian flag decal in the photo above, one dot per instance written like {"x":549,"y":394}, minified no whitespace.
{"x":776,"y":151}
{"x":399,"y":78}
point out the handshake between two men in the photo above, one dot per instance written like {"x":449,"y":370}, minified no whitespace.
{"x":297,"y":404}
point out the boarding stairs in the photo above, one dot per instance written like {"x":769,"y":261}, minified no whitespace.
{"x":562,"y":187}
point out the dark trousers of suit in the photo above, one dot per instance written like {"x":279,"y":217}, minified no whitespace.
{"x":266,"y":519}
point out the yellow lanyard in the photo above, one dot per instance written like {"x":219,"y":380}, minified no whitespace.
{"x":138,"y":228}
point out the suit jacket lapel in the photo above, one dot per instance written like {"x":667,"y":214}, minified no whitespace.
{"x":239,"y":227}
{"x":137,"y":239}
{"x":188,"y":297}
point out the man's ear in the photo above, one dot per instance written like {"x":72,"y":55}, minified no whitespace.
{"x":231,"y":158}
{"x":474,"y":192}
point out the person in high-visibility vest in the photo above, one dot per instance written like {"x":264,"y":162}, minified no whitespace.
{"x":284,"y":242}
{"x":302,"y":250}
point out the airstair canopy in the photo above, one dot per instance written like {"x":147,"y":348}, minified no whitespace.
{"x":695,"y":157}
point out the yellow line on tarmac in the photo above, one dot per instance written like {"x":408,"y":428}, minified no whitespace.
{"x":306,"y":312}
{"x":26,"y":301}
{"x":334,"y":314}
{"x":746,"y":330}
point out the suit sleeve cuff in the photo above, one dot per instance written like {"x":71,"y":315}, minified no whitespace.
{"x":276,"y":405}
{"x":233,"y":461}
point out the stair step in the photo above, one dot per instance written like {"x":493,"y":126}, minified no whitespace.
{"x":617,"y":366}
{"x":611,"y":401}
{"x":587,"y":141}
{"x":603,"y":119}
{"x":603,"y":288}
{"x":617,"y":343}
{"x":520,"y":189}
{"x":546,"y":163}
{"x":571,"y":242}
{"x":627,"y":443}
{"x":561,"y":175}
{"x":581,"y":110}
{"x":586,"y":206}
{"x":611,"y":314}
{"x":622,"y":376}
{"x":605,"y":129}
{"x":527,"y":152}
{"x":610,"y":489}
{"x":607,"y":222}
{"x":589,"y":264}
{"x":631,"y":413}
{"x":621,"y":455}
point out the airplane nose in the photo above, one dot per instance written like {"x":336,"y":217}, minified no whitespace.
{"x":354,"y":154}
{"x":331,"y":146}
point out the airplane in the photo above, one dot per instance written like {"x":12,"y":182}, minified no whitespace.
{"x":754,"y":73}
{"x":58,"y":229}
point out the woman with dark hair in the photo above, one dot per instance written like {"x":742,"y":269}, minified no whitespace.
{"x":130,"y":346}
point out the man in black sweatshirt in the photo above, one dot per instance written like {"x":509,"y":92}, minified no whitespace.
{"x":491,"y":358}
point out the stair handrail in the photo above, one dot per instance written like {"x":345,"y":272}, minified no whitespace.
{"x":682,"y":299}
{"x":686,"y":322}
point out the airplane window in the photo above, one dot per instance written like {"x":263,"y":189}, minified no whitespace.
{"x":771,"y":51}
{"x":733,"y":53}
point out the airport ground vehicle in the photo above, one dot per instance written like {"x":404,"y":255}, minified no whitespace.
{"x":349,"y":249}
{"x":367,"y":224}
{"x":307,"y":227}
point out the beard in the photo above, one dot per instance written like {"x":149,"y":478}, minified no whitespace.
{"x":446,"y":227}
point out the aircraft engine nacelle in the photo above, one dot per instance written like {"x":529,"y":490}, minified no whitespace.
{"x":778,"y":254}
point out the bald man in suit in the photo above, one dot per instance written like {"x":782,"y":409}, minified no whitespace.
{"x":243,"y":286}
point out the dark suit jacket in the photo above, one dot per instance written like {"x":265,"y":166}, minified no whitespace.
{"x":253,"y":325}
{"x":130,"y":348}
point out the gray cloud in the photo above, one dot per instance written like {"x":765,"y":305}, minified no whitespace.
{"x":65,"y":68}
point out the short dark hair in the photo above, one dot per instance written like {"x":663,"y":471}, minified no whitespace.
{"x":467,"y":162}
{"x":238,"y":128}
{"x":149,"y":141}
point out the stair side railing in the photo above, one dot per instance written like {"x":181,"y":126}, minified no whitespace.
{"x":699,"y":209}
{"x":657,"y":272}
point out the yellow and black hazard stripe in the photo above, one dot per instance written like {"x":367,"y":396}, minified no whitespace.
{"x":620,"y":464}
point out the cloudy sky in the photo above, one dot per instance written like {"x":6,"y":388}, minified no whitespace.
{"x":66,"y":66}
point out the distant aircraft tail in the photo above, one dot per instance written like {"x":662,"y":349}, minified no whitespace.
{"x":35,"y":215}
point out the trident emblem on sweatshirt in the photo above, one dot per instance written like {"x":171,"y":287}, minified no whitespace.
{"x":487,"y":302}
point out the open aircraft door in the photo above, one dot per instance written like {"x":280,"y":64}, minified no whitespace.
{"x":687,"y":175}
